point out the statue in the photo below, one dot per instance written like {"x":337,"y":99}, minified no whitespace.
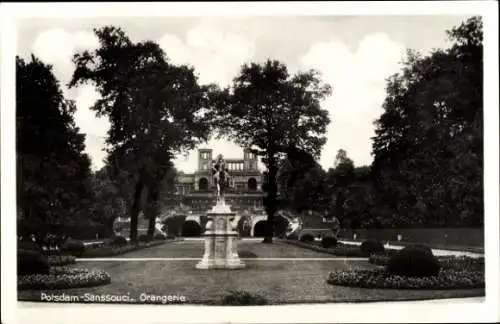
{"x":221,"y":176}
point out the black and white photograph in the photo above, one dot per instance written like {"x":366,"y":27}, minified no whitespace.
{"x":250,"y":162}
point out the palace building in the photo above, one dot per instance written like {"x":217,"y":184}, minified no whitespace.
{"x":245,"y":187}
{"x":195,"y":194}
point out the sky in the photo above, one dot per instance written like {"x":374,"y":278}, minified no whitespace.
{"x":354,"y":54}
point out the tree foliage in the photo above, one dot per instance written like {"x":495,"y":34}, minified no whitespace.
{"x":428,"y":158}
{"x":428,"y":143}
{"x":53,"y":172}
{"x":156,"y":109}
{"x":270,"y":111}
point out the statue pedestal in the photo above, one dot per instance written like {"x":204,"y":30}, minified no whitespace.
{"x":220,"y":240}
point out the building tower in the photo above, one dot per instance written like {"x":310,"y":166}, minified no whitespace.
{"x":203,"y":178}
{"x":249,"y":160}
{"x":204,"y":160}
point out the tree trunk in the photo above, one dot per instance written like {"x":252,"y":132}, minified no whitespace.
{"x":272,"y":193}
{"x":136,"y":207}
{"x":152,"y":209}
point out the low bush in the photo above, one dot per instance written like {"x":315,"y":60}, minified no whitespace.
{"x":422,"y":247}
{"x":160,"y":237}
{"x":31,"y":262}
{"x":112,"y":250}
{"x":413,"y":262}
{"x":73,"y":247}
{"x":307,"y":238}
{"x":119,"y":241}
{"x":292,"y":236}
{"x":369,"y":247}
{"x":328,"y":241}
{"x":378,"y":278}
{"x":339,"y":249}
{"x":243,"y":298}
{"x":64,"y":278}
{"x":246,"y":254}
{"x":26,"y":245}
{"x":60,"y":260}
{"x":446,"y":262}
{"x":104,"y":251}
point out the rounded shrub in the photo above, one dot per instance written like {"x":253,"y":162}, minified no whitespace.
{"x":413,"y":262}
{"x":243,"y":298}
{"x":73,"y":247}
{"x":328,"y":241}
{"x":423,"y":247}
{"x":119,"y":241}
{"x":27,"y":245}
{"x":369,"y":247}
{"x":160,"y":237}
{"x":144,"y":238}
{"x":308,"y":238}
{"x":31,"y":262}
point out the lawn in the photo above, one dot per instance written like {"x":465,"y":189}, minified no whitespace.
{"x":280,"y":281}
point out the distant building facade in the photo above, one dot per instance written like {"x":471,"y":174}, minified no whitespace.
{"x":245,"y":183}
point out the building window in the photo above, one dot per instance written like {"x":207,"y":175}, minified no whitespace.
{"x":252,"y":184}
{"x":203,"y":184}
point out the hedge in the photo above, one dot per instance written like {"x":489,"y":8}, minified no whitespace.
{"x":446,"y":262}
{"x":31,"y":262}
{"x":113,"y":250}
{"x":339,"y":250}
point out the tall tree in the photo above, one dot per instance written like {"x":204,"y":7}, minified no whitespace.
{"x":269,"y":111}
{"x":53,"y":171}
{"x":156,"y":109}
{"x":301,"y":182}
{"x":428,"y":143}
{"x":108,"y":201}
{"x":338,"y":180}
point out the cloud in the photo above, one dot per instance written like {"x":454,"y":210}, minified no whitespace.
{"x":216,"y":55}
{"x":357,"y":75}
{"x":358,"y":81}
{"x":95,"y":128}
{"x":57,"y":47}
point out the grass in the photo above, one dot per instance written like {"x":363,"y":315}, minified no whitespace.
{"x":280,"y":281}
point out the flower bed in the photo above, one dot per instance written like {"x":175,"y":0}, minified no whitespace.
{"x":60,"y":260}
{"x":462,"y":263}
{"x":378,"y":278}
{"x":64,"y":278}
